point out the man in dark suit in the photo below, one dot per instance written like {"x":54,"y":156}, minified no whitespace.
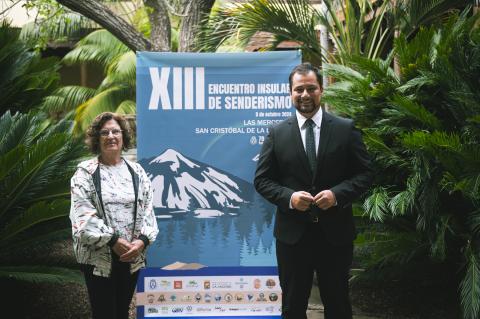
{"x":312,"y":167}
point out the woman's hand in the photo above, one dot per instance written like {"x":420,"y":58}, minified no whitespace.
{"x":121,"y":247}
{"x":136,"y":247}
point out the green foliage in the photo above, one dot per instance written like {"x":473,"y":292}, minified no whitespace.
{"x":409,"y":15}
{"x":36,"y":162}
{"x":26,"y":77}
{"x":99,"y":47}
{"x":355,"y":34}
{"x":67,"y":98}
{"x":363,"y":29}
{"x":423,"y":131}
{"x":470,"y":285}
{"x":286,"y":20}
{"x":390,"y":247}
{"x":37,"y":274}
{"x":59,"y":26}
{"x":376,"y":204}
{"x":117,"y":91}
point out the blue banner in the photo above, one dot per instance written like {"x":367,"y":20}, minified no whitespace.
{"x":201,"y":120}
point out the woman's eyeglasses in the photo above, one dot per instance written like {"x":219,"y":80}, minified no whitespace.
{"x":115,"y":132}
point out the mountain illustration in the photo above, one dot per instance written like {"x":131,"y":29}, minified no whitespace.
{"x":181,"y":183}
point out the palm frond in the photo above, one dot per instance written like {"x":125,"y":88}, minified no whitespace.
{"x":37,"y":274}
{"x":470,"y":186}
{"x":342,"y":72}
{"x":418,"y":13}
{"x":376,"y":38}
{"x":425,"y":140}
{"x":404,"y":201}
{"x":123,"y":69}
{"x":41,"y":234}
{"x":69,"y":25}
{"x":384,"y":154}
{"x":470,"y":286}
{"x":416,"y":83}
{"x":474,"y":222}
{"x":127,"y":107}
{"x":415,"y":112}
{"x":292,"y":20}
{"x":355,"y":35}
{"x":376,"y":205}
{"x":336,"y":31}
{"x":48,"y":159}
{"x":35,"y":214}
{"x":221,"y":26}
{"x":379,"y":70}
{"x":376,"y":143}
{"x":413,"y":54}
{"x":393,"y":248}
{"x":429,"y":203}
{"x":439,"y":245}
{"x":26,"y":77}
{"x":15,"y":129}
{"x":340,"y":95}
{"x":9,"y":161}
{"x":44,"y":163}
{"x":57,"y":186}
{"x":67,"y":98}
{"x":98,"y":47}
{"x":105,"y":101}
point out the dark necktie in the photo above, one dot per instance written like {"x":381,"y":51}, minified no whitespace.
{"x":310,"y":145}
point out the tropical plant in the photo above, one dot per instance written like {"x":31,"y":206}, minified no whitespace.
{"x":407,"y":16}
{"x":364,"y":28}
{"x":423,"y":129}
{"x":26,"y":77}
{"x":36,"y":162}
{"x":52,"y":22}
{"x":286,"y":20}
{"x":356,"y":34}
{"x":116,"y":93}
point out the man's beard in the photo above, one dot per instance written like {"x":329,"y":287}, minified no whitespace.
{"x":307,"y":108}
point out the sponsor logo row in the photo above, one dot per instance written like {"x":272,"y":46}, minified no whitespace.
{"x":214,"y":298}
{"x":192,"y":284}
{"x":214,"y":309}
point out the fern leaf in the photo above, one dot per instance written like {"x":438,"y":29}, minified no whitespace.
{"x":40,"y":274}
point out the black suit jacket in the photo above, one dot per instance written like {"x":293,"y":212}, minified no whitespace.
{"x":343,"y":166}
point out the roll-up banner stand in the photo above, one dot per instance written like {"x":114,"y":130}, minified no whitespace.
{"x":201,"y":121}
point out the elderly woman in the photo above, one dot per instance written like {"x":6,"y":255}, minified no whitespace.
{"x":112,"y":218}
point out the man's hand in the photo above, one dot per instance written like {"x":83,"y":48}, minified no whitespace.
{"x":136,"y":248}
{"x":301,"y":200}
{"x":121,"y":246}
{"x":325,"y":199}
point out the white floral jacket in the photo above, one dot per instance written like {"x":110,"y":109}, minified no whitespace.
{"x":91,"y":227}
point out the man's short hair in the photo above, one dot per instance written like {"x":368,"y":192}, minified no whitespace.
{"x":304,"y":69}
